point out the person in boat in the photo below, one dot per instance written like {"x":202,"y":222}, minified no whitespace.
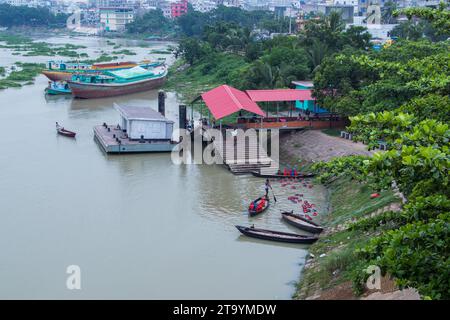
{"x":267,"y":186}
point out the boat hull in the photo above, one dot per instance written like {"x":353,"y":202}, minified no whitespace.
{"x":301,"y":223}
{"x":55,"y":92}
{"x":253,"y":213}
{"x":57,"y":75}
{"x":66,"y":133}
{"x":90,"y":91}
{"x":274,"y":237}
{"x":281,"y":176}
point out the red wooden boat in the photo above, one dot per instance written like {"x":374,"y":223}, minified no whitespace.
{"x":64,"y":132}
{"x":254,"y":211}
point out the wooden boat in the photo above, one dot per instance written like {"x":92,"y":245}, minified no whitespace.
{"x":301,"y":223}
{"x":254,"y":212}
{"x":116,"y":83}
{"x":63,"y":71}
{"x":64,"y":132}
{"x":276,"y":235}
{"x":57,"y":88}
{"x":281,"y":176}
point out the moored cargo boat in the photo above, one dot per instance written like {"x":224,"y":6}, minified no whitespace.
{"x":115,"y":83}
{"x":63,"y":71}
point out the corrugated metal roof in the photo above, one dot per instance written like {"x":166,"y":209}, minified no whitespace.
{"x":225,"y":100}
{"x":279,"y":95}
{"x":140,"y":113}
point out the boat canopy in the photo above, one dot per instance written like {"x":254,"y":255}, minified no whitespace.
{"x":131,"y":73}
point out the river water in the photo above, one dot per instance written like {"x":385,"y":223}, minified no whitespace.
{"x":138,"y":226}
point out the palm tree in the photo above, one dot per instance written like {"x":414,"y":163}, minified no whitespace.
{"x":334,"y":22}
{"x":317,"y":52}
{"x":387,"y":12}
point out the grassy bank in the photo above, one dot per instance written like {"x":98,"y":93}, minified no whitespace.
{"x":333,"y":261}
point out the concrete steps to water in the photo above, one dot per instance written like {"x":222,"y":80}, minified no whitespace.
{"x":252,"y":159}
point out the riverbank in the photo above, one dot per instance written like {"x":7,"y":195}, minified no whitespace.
{"x":302,"y":148}
{"x":333,"y":267}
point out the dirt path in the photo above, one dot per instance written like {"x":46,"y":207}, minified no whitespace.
{"x":314,"y":145}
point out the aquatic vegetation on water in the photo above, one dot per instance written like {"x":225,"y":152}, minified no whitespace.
{"x":160,"y":51}
{"x":24,"y":75}
{"x":102,"y":58}
{"x":125,"y":52}
{"x":31,"y":48}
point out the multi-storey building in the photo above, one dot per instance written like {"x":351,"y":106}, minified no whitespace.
{"x":178,"y":8}
{"x":115,"y":18}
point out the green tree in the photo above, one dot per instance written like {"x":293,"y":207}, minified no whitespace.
{"x":152,"y":22}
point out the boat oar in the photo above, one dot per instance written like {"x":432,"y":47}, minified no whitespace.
{"x":274,"y":198}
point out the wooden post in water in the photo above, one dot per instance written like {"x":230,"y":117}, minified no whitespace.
{"x":182,"y":116}
{"x":162,"y":102}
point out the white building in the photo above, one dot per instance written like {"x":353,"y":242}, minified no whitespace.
{"x":143,"y":123}
{"x":114,"y":19}
{"x":28,"y":3}
{"x":203,"y":5}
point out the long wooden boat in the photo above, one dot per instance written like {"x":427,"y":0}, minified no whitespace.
{"x":301,"y":223}
{"x":281,"y":176}
{"x":63,"y":71}
{"x":64,"y":132}
{"x":276,"y":235}
{"x":254,"y":212}
{"x":116,"y":83}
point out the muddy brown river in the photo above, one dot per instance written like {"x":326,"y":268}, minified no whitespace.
{"x":138,"y":226}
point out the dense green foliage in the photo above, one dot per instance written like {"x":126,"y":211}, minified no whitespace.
{"x":12,"y":16}
{"x":438,"y":18}
{"x":354,"y":83}
{"x":193,"y":23}
{"x":270,"y":63}
{"x":400,"y":96}
{"x":152,"y":22}
{"x":416,"y":249}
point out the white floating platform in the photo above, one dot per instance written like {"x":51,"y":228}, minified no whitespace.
{"x":107,"y":140}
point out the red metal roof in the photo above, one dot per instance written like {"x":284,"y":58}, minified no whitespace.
{"x":279,"y":95}
{"x":225,"y":100}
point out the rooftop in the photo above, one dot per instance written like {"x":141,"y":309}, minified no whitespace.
{"x":225,"y":100}
{"x":140,"y":113}
{"x":279,"y":95}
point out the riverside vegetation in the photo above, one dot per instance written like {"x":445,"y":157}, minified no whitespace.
{"x":399,"y":96}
